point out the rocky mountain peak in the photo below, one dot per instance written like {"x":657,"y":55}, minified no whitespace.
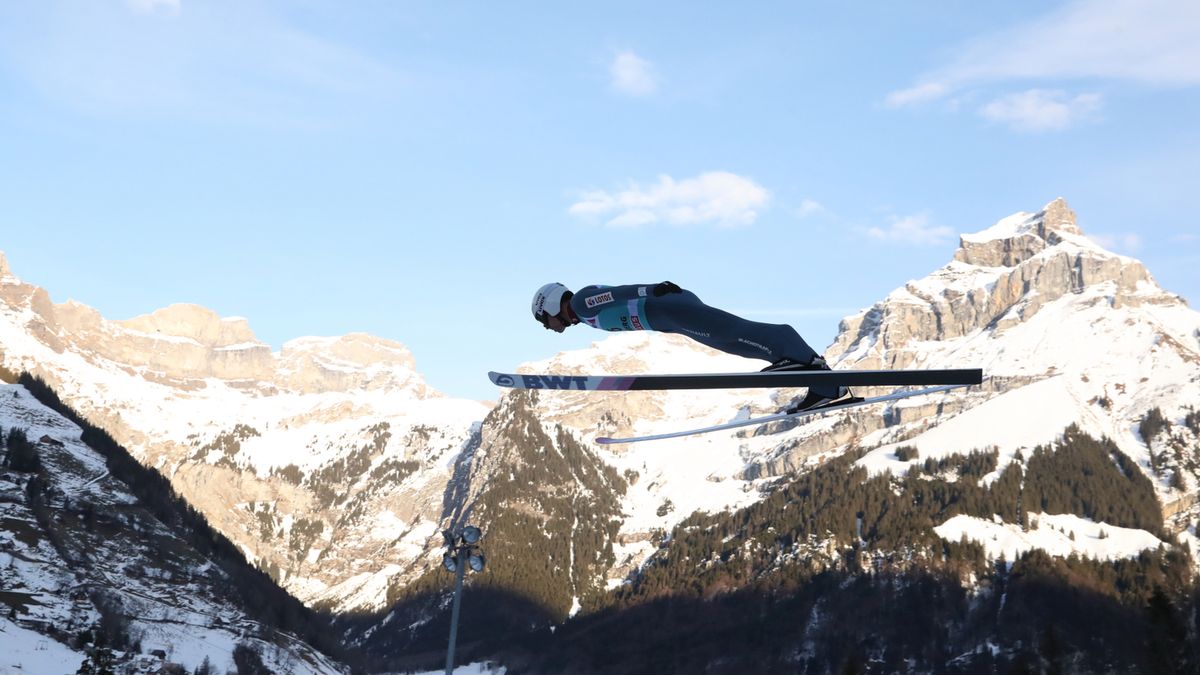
{"x":1020,"y":236}
{"x":183,"y":345}
{"x":195,"y":323}
{"x":1000,"y":277}
{"x":347,"y":363}
{"x":1059,"y":217}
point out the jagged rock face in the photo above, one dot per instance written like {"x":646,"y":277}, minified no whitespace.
{"x":184,"y":341}
{"x":1032,"y":236}
{"x":182,"y":345}
{"x":326,"y":462}
{"x":1065,"y":331}
{"x":999,"y":278}
{"x":195,"y":323}
{"x":348,"y":363}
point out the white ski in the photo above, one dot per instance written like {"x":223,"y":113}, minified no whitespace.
{"x":605,"y":440}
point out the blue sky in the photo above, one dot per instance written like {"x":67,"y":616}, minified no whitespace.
{"x":415,"y":170}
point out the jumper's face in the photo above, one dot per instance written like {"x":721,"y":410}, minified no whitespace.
{"x":561,"y":321}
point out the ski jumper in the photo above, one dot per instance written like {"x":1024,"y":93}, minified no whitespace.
{"x":669,"y":309}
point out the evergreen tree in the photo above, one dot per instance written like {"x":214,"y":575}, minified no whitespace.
{"x":1192,"y":421}
{"x":1152,"y":424}
{"x":22,"y":455}
{"x":248,"y":660}
{"x":99,"y":660}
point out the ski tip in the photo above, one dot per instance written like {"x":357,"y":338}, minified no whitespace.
{"x":605,"y":440}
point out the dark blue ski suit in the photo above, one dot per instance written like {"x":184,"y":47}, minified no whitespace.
{"x":669,"y":309}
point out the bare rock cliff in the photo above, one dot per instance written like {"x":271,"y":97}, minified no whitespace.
{"x":184,"y":344}
{"x":999,"y":277}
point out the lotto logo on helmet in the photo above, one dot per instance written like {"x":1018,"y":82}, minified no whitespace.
{"x":548,"y":298}
{"x":599,"y":299}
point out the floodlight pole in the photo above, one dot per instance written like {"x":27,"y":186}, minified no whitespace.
{"x":462,"y":550}
{"x":459,"y":572}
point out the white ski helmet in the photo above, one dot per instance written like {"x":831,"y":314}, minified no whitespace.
{"x":548,"y":300}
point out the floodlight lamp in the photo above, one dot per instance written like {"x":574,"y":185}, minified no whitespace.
{"x":449,"y":562}
{"x":471,"y":534}
{"x":476,"y":561}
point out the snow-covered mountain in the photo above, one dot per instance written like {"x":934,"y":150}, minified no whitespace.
{"x":81,"y":555}
{"x":334,"y":467}
{"x":1065,"y":331}
{"x":326,"y":462}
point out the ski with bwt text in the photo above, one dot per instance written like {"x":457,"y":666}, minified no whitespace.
{"x":945,"y":380}
{"x":846,"y":378}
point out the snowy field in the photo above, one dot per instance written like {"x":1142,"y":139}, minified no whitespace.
{"x":25,"y":652}
{"x":1059,"y":535}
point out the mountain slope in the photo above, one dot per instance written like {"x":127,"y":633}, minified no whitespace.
{"x":1069,"y":334}
{"x":326,"y":462}
{"x":82,"y":559}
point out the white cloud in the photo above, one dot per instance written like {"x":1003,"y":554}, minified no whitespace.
{"x":715,"y":197}
{"x":151,"y":6}
{"x":1040,"y":110}
{"x":913,"y":229}
{"x":810,"y":207}
{"x":1146,"y":41}
{"x":916,"y":94}
{"x":632,"y":75}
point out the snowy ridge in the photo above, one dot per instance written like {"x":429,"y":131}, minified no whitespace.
{"x":1006,"y":228}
